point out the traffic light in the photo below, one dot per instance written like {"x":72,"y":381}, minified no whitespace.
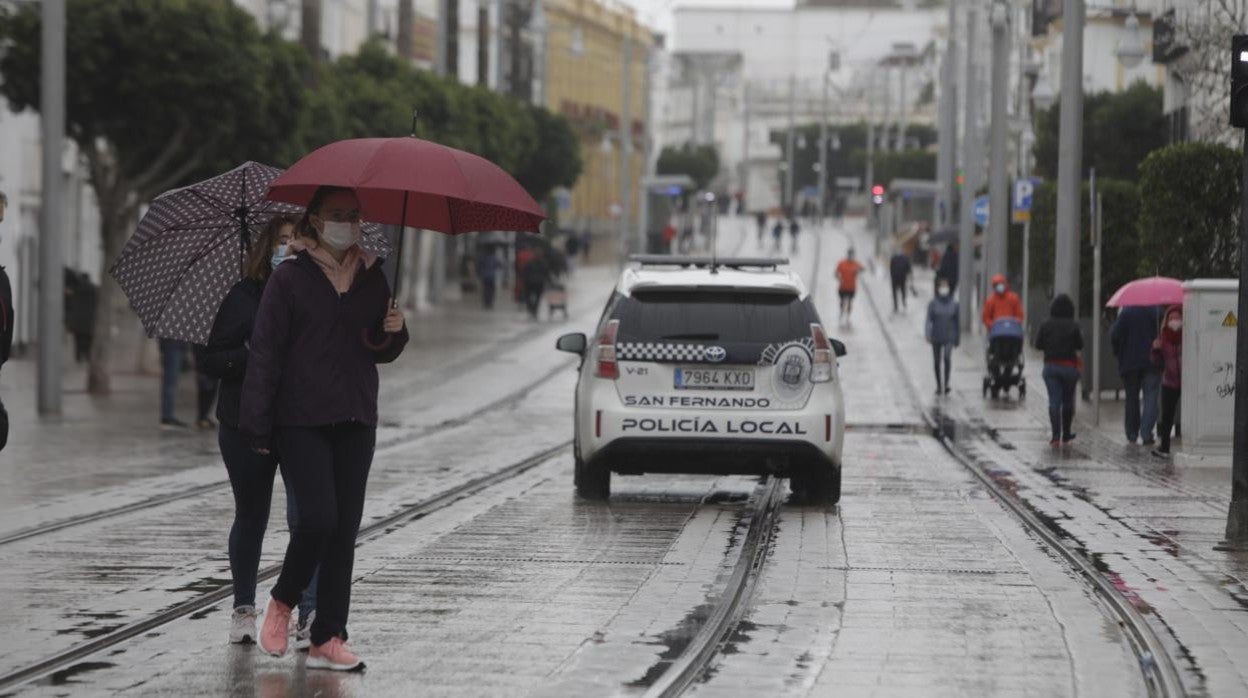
{"x":1239,"y":81}
{"x":877,"y":194}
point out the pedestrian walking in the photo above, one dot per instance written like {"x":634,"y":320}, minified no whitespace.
{"x":80,"y":315}
{"x":224,"y":360}
{"x":847,"y":271}
{"x":571,"y":248}
{"x":557,"y":299}
{"x":172,"y":357}
{"x":489,"y":266}
{"x":760,"y":219}
{"x":777,"y":232}
{"x":1168,"y":353}
{"x":948,"y":268}
{"x":535,"y":274}
{"x":1132,"y":338}
{"x":587,"y":238}
{"x":942,"y":331}
{"x":899,"y":271}
{"x":6,"y":328}
{"x":1061,"y":342}
{"x":310,"y":394}
{"x":795,"y":229}
{"x":1002,"y":302}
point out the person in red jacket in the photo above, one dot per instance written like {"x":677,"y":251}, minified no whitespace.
{"x":1002,"y":302}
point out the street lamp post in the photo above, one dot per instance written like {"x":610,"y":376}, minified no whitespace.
{"x":966,"y":227}
{"x":51,"y":276}
{"x":823,"y":151}
{"x":997,"y":240}
{"x":1070,"y":155}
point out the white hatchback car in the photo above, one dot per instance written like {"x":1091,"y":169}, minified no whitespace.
{"x":709,"y":366}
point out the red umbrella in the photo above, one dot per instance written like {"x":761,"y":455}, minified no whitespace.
{"x":409,"y":181}
{"x":1155,"y":290}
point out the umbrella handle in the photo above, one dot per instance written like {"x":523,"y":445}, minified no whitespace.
{"x":394,"y":303}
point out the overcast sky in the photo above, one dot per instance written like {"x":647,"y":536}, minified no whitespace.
{"x":658,"y":13}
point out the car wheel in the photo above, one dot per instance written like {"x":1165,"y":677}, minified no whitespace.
{"x":592,"y":481}
{"x":822,"y":486}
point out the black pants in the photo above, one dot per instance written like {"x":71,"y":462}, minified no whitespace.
{"x":533,"y":297}
{"x":82,"y":347}
{"x":251,"y":479}
{"x":1169,"y":410}
{"x":327,"y":468}
{"x":205,"y":394}
{"x":488,"y":288}
{"x":942,"y":356}
{"x":899,"y":292}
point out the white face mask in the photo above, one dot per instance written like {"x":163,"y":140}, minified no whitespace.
{"x":1175,"y":325}
{"x":942,"y":291}
{"x":339,"y":236}
{"x":1000,"y":288}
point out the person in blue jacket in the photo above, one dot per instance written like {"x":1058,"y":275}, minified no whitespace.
{"x":942,"y":332}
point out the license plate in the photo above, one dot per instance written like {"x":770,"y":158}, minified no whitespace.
{"x":715,"y":378}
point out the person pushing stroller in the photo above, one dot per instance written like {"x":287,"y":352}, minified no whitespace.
{"x":1003,"y":319}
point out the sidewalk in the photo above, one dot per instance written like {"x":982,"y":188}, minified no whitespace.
{"x":1149,"y":525}
{"x":105,"y":445}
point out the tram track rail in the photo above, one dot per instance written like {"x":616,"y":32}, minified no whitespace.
{"x":416,"y":436}
{"x":67,"y":658}
{"x":1157,"y":668}
{"x":724,"y":618}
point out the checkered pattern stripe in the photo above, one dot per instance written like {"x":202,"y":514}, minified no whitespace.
{"x":659,"y":351}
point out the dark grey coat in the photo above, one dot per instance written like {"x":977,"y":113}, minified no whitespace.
{"x":942,"y":321}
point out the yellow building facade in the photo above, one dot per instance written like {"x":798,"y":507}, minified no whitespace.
{"x":584,"y":80}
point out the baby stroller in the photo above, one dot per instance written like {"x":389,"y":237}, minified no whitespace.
{"x":1005,"y":358}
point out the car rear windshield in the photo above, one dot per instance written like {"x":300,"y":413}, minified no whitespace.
{"x":713,"y":316}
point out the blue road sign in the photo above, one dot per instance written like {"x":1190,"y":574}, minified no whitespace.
{"x":980,"y":211}
{"x":1024,"y":191}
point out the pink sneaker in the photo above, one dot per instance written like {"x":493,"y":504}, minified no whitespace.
{"x":275,"y":633}
{"x":335,"y":656}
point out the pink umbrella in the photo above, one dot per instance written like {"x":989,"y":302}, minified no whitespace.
{"x":1155,"y":290}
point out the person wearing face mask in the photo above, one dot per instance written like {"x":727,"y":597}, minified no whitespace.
{"x":1001,"y":302}
{"x":224,"y":358}
{"x":1168,"y":353}
{"x":942,"y":332}
{"x":325,"y":321}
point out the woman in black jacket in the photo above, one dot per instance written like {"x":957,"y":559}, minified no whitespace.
{"x":1061,"y":341}
{"x":251,"y":473}
{"x":324,"y":323}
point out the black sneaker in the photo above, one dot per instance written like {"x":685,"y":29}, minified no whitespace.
{"x":172,"y":423}
{"x":1149,"y":442}
{"x":1160,"y":453}
{"x":205,"y":424}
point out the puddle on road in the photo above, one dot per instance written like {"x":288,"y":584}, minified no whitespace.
{"x":674,"y":642}
{"x":68,"y":675}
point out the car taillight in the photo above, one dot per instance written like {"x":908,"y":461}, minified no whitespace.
{"x":606,"y":365}
{"x":821,"y":363}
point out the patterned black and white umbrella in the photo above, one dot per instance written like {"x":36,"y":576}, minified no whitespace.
{"x":189,"y":248}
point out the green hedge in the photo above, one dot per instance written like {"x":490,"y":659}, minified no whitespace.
{"x":1189,"y":221}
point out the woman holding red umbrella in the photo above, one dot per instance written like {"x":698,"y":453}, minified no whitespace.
{"x":310,"y":393}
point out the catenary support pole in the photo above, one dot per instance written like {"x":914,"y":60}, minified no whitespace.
{"x":948,"y":158}
{"x":647,"y":152}
{"x":788,"y":170}
{"x":823,"y":151}
{"x":997,"y":240}
{"x":1237,"y":517}
{"x":626,"y":147}
{"x":1070,"y":155}
{"x":52,"y":225}
{"x":970,"y":138}
{"x":1098,"y":220}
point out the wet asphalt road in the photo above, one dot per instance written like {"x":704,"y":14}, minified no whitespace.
{"x":917,"y":584}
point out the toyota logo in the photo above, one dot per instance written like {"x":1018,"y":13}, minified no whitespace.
{"x":716,"y":354}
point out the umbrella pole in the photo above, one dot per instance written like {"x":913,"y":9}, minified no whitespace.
{"x":398,"y":255}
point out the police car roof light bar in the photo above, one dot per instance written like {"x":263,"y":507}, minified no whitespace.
{"x":664,"y":260}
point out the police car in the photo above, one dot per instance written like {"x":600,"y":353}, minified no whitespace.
{"x":709,"y":366}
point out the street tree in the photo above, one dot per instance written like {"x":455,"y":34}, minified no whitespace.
{"x":699,"y":162}
{"x":1189,"y":215}
{"x":1120,"y":130}
{"x":160,"y":92}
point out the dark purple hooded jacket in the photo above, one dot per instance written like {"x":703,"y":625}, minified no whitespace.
{"x":309,"y":364}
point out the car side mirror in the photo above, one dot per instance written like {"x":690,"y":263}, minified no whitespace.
{"x":838,"y":347}
{"x":573,"y":343}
